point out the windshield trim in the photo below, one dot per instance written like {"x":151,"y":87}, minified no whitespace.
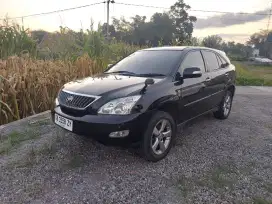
{"x":169,"y":73}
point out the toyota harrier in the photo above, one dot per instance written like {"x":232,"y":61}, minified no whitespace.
{"x":144,"y":97}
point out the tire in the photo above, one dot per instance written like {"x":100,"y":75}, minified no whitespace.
{"x":222,"y":113}
{"x":158,"y":137}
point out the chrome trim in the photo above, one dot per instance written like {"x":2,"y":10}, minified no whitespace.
{"x":197,"y":72}
{"x":196,"y":101}
{"x":79,"y":94}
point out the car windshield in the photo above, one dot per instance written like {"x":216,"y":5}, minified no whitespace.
{"x":147,"y":63}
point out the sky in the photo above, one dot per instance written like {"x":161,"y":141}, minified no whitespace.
{"x":229,"y":26}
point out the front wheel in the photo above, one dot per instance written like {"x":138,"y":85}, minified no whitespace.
{"x":224,"y":107}
{"x":159,"y":136}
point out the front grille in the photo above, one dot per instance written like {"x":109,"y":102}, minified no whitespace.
{"x":74,"y":101}
{"x":73,"y":112}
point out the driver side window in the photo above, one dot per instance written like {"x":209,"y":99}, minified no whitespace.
{"x":192,"y":59}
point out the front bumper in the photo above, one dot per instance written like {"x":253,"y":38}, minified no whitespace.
{"x":100,"y":126}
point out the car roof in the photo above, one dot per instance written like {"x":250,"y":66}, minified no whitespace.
{"x":188,"y":48}
{"x":182,"y":48}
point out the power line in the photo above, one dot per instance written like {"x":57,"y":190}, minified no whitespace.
{"x":56,"y":11}
{"x":138,"y":5}
{"x":141,"y":5}
{"x":209,"y":11}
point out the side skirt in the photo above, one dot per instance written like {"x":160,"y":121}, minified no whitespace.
{"x":183,"y":123}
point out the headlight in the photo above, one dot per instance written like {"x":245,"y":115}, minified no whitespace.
{"x":120,"y":106}
{"x":56,"y":102}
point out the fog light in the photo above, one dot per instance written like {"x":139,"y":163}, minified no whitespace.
{"x":122,"y":133}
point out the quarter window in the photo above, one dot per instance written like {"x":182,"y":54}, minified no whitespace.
{"x":211,"y":60}
{"x":222,"y":62}
{"x":192,"y":59}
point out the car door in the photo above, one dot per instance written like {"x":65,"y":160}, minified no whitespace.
{"x":217,"y":77}
{"x":192,"y":92}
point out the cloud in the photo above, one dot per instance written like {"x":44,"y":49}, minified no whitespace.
{"x":229,"y":19}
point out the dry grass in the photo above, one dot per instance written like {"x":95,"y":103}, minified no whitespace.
{"x":29,"y":86}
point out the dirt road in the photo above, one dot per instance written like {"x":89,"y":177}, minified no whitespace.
{"x":214,"y":161}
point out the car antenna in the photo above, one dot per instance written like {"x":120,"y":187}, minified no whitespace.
{"x":148,"y":82}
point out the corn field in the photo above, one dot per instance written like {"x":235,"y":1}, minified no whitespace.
{"x":32,"y":71}
{"x":30,"y":86}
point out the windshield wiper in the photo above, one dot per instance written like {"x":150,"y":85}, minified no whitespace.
{"x":121,"y":72}
{"x":151,"y":75}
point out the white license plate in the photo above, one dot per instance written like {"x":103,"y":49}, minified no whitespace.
{"x":64,"y":122}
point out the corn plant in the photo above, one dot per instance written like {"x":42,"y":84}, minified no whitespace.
{"x":14,"y":39}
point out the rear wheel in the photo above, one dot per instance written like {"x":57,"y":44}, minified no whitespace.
{"x":224,"y":107}
{"x":158,"y":137}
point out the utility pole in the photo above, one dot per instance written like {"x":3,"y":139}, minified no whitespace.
{"x":269,"y":17}
{"x":108,"y":17}
{"x":268,"y":37}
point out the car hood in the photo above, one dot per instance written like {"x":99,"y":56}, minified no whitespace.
{"x":106,"y":84}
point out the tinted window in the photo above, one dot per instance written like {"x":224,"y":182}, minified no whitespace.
{"x":211,"y":60}
{"x":193,"y":59}
{"x":222,"y":62}
{"x":147,"y":61}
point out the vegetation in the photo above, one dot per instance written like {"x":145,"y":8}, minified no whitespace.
{"x":29,"y":82}
{"x":262,"y":41}
{"x":253,"y":75}
{"x":14,"y":139}
{"x":35,"y":64}
{"x":15,"y":39}
{"x":236,"y":51}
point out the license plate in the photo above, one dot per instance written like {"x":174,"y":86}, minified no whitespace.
{"x":64,"y":122}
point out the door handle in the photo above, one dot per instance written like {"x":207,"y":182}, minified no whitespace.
{"x":227,"y":74}
{"x":208,"y":79}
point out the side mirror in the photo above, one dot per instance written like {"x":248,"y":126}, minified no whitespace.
{"x":192,"y":72}
{"x":149,"y":81}
{"x":109,"y":65}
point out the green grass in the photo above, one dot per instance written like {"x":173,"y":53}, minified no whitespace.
{"x":254,"y":75}
{"x":185,"y":185}
{"x":220,"y":178}
{"x":14,"y":139}
{"x":268,"y":187}
{"x":258,"y":200}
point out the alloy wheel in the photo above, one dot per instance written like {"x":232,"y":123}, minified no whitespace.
{"x":227,"y":105}
{"x":161,"y":137}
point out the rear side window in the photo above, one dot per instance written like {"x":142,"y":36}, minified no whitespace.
{"x":193,"y":59}
{"x":222,"y":62}
{"x":211,"y":60}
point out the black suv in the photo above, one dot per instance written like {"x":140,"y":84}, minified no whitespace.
{"x":142,"y":98}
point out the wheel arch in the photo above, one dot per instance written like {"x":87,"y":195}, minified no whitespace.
{"x":167,"y":104}
{"x":231,"y":88}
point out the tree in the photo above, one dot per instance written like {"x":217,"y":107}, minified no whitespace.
{"x":259,"y":41}
{"x":161,"y":28}
{"x":174,"y":27}
{"x":38,"y":35}
{"x":213,"y":41}
{"x":237,"y":51}
{"x":182,"y":21}
{"x":123,"y":29}
{"x":111,"y":30}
